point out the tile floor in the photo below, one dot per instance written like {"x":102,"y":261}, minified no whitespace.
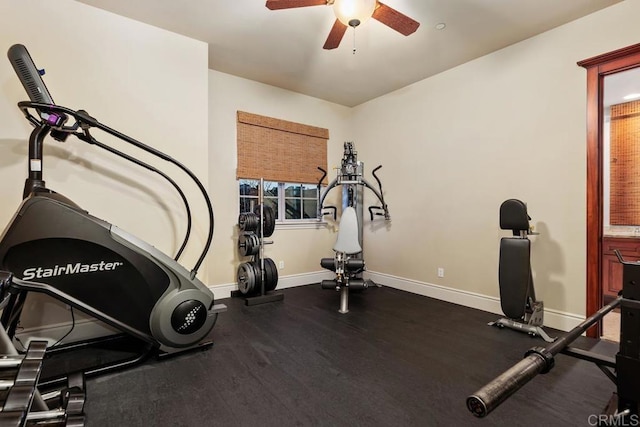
{"x":611,"y":327}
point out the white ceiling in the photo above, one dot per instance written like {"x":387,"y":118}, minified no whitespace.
{"x":283,"y":48}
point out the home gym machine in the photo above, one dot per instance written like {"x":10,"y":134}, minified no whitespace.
{"x":348,"y":262}
{"x":517,"y":295}
{"x":21,"y":402}
{"x":623,"y":408}
{"x":54,"y":247}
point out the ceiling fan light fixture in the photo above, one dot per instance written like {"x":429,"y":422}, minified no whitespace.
{"x":353,"y":12}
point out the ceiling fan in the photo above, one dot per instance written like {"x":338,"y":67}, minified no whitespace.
{"x":352,"y":13}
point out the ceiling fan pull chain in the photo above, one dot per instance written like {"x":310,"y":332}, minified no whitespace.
{"x":354,"y":40}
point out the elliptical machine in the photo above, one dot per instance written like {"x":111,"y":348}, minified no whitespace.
{"x":53,"y":246}
{"x":517,"y":295}
{"x":348,"y":262}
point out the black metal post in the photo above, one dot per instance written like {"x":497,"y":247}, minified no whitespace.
{"x":34,"y":179}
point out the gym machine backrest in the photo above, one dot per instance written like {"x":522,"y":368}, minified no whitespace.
{"x":86,"y":262}
{"x":517,"y":294}
{"x":345,"y":263}
{"x":623,"y":408}
{"x":347,"y":241}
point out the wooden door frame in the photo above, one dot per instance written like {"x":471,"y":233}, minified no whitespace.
{"x":597,"y":68}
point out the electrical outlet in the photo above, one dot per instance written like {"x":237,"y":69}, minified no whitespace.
{"x":281,"y":265}
{"x":440,"y":272}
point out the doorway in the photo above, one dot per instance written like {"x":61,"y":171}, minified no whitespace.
{"x":598,"y":68}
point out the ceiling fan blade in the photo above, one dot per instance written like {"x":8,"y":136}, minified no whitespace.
{"x":335,"y":35}
{"x":290,"y":4}
{"x":394,"y":19}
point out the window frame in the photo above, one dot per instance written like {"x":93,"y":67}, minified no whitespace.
{"x":281,"y":220}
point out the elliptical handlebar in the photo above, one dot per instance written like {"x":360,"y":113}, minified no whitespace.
{"x":54,"y":117}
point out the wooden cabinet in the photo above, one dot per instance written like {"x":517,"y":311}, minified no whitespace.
{"x":611,"y":268}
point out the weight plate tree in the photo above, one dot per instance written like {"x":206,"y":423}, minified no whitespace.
{"x":258,"y":278}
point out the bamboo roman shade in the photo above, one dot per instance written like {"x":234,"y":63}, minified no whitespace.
{"x":278,"y":150}
{"x":625,"y":164}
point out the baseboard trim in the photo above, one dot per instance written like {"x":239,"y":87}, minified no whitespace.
{"x":91,"y":328}
{"x":284,"y":282}
{"x":552,"y":318}
{"x":83,"y":329}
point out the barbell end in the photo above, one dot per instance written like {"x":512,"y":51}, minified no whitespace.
{"x":477,"y":406}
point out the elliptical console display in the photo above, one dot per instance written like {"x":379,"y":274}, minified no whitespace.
{"x":53,"y":246}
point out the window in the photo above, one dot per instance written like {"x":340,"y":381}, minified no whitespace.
{"x":286,"y":155}
{"x":292,"y":203}
{"x":301,"y":201}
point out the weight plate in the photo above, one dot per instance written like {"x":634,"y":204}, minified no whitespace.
{"x":248,"y":244}
{"x":248,"y":221}
{"x":258,"y":269}
{"x":246,"y":276}
{"x":255,"y":244}
{"x":242,"y":221}
{"x":268,"y":220}
{"x":270,"y":274}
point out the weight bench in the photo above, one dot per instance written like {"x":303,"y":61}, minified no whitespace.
{"x":517,"y":295}
{"x":347,"y":262}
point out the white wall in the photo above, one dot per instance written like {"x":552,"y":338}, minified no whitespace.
{"x":511,"y":124}
{"x":300,"y":249}
{"x":148,"y":83}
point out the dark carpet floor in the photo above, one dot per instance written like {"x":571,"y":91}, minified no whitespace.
{"x":396,"y":359}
